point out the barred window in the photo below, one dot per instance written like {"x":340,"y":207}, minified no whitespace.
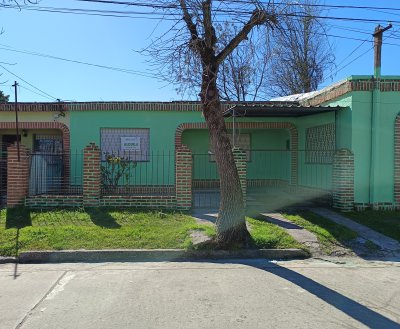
{"x":130,"y":143}
{"x":320,"y":144}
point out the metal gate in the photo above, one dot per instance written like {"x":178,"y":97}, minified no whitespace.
{"x":205,"y":183}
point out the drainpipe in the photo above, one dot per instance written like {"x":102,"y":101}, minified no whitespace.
{"x":375,"y":112}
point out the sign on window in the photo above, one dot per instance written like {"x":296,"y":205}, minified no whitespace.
{"x":130,"y":143}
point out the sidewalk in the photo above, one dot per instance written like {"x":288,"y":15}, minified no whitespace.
{"x":386,"y":243}
{"x":257,"y":294}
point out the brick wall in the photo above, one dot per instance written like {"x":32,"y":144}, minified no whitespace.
{"x":91,"y":176}
{"x":145,"y":201}
{"x":17,"y":175}
{"x":343,"y":180}
{"x":52,"y":201}
{"x":397,"y":161}
{"x":183,"y":178}
{"x":339,"y":89}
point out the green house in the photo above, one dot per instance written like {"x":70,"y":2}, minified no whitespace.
{"x":341,"y":142}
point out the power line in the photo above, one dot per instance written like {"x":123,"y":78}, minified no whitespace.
{"x":118,"y":69}
{"x":43,"y":92}
{"x":34,"y":92}
{"x":108,"y":13}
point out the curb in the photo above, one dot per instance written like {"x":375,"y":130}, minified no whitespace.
{"x":5,"y":260}
{"x":151,"y":255}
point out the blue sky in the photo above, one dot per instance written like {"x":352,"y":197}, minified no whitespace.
{"x":112,"y":42}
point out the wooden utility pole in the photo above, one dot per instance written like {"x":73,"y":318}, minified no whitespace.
{"x":378,"y":48}
{"x":15,"y":85}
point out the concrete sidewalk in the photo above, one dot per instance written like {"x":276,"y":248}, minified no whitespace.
{"x":384,"y":242}
{"x":300,"y":234}
{"x":243,"y":294}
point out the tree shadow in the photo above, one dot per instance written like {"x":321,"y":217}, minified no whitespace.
{"x":102,"y":218}
{"x":352,"y":308}
{"x":18,"y":217}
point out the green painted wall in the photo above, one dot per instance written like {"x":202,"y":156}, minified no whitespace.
{"x":383,"y":166}
{"x":269,"y":158}
{"x":313,"y":175}
{"x":269,"y":146}
{"x":354,"y":131}
{"x":85,"y":128}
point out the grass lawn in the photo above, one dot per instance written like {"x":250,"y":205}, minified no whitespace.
{"x":102,"y":228}
{"x":94,"y":229}
{"x":329,"y":234}
{"x":385,"y":222}
{"x":270,"y":236}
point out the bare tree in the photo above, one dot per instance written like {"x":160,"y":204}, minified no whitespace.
{"x":195,"y":51}
{"x":290,"y":59}
{"x":243,"y":75}
{"x":302,"y":52}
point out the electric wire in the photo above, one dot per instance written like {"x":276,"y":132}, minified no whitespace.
{"x":118,"y":69}
{"x":15,"y":75}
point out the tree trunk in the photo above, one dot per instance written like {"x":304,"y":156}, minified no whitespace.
{"x":231,"y":225}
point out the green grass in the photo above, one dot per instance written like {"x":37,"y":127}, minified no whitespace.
{"x":329,"y":234}
{"x":102,"y":228}
{"x":94,"y":229}
{"x":267,"y":235}
{"x":385,"y":222}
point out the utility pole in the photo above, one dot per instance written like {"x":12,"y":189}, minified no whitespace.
{"x":15,"y":85}
{"x":378,"y":48}
{"x":375,"y":155}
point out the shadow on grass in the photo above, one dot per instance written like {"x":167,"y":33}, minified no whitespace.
{"x":102,"y":218}
{"x":18,"y":218}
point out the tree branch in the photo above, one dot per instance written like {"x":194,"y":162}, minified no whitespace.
{"x":210,"y":37}
{"x":194,"y":36}
{"x":258,"y":17}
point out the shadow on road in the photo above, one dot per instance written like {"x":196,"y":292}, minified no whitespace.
{"x":357,"y":311}
{"x":17,"y":218}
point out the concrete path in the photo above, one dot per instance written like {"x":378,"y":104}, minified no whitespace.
{"x":310,"y":294}
{"x":383,"y":241}
{"x":297,"y":232}
{"x":205,"y":217}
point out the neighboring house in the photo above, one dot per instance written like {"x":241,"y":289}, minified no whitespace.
{"x":289,"y":142}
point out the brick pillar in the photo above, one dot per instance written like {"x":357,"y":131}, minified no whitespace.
{"x":241,"y":165}
{"x":17,"y":175}
{"x":183,"y":178}
{"x":91,"y":176}
{"x":397,"y":162}
{"x":343,"y":180}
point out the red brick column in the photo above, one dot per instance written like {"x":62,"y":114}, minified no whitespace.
{"x":397,"y":162}
{"x":91,"y":176}
{"x":183,"y":178}
{"x":343,"y":180}
{"x":17,"y":175}
{"x":241,"y":166}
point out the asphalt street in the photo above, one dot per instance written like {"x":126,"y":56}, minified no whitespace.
{"x":315,"y":293}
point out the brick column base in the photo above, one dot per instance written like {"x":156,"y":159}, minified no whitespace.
{"x":343,"y":180}
{"x":241,"y":166}
{"x":17,"y":175}
{"x":183,"y":178}
{"x":91,"y":176}
{"x":397,"y":161}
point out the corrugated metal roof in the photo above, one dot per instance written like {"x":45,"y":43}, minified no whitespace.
{"x":277,"y":109}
